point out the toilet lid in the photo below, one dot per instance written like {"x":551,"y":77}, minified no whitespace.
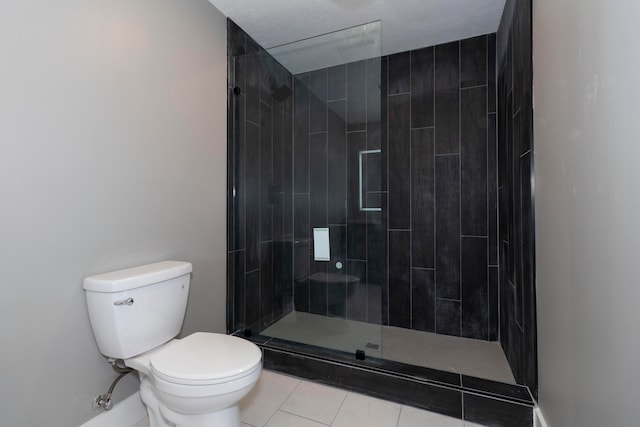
{"x":206,"y":358}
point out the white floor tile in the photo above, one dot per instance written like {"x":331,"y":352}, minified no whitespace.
{"x":142,"y":423}
{"x":315,"y":402}
{"x":358,"y":411}
{"x":412,"y":417}
{"x":266,"y":397}
{"x":284,"y":419}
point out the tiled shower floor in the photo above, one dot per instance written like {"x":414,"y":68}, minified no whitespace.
{"x":476,"y":358}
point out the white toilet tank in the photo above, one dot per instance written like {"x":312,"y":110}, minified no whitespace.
{"x":137,"y":309}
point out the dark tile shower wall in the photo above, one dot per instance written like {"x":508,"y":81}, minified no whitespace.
{"x":515,"y":189}
{"x":260,"y":180}
{"x":337,"y":114}
{"x":432,"y":112}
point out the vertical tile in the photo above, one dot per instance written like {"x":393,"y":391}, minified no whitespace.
{"x":318,"y":101}
{"x":448,"y":317}
{"x":447,"y":94}
{"x":266,"y":173}
{"x":400,"y":279}
{"x":287,"y":275}
{"x":372,"y":179}
{"x":267,"y":80}
{"x":318,"y":292}
{"x":422,"y":199}
{"x":475,"y":303}
{"x":527,"y":281}
{"x":375,"y":254}
{"x":237,"y":276}
{"x":356,"y":96}
{"x":473,"y":157}
{"x":422,"y":87}
{"x":447,"y":226}
{"x":516,"y":217}
{"x":337,"y":152}
{"x":318,"y":170}
{"x":288,"y":102}
{"x":266,"y":284}
{"x":301,"y":295}
{"x":237,"y":169}
{"x":301,"y":135}
{"x":491,"y":73}
{"x":252,"y":89}
{"x":492,"y":190}
{"x":301,"y":272}
{"x":356,"y":142}
{"x":337,"y":248}
{"x":337,"y":82}
{"x":513,"y":335}
{"x":337,"y":295}
{"x":252,"y":232}
{"x":357,"y":241}
{"x":399,"y":162}
{"x":301,"y":215}
{"x":399,"y":73}
{"x":423,"y":300}
{"x":374,"y":304}
{"x":287,"y":172}
{"x":493,"y":303}
{"x":252,"y":281}
{"x":276,"y":195}
{"x":384,"y":129}
{"x":473,"y":62}
{"x":374,"y":95}
{"x":277,"y":276}
{"x":356,"y":290}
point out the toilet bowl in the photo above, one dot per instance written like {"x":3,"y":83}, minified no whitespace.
{"x":198,"y":380}
{"x":195,"y":381}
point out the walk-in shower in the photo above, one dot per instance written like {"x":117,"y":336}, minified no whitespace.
{"x":395,"y":159}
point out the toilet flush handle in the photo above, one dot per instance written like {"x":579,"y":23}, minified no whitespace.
{"x":127,"y":301}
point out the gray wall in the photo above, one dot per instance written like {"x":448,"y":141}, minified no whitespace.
{"x":586,"y":67}
{"x":113,"y":139}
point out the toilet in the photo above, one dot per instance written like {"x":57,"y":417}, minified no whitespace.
{"x":195,"y":381}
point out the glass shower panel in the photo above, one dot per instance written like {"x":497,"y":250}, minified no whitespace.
{"x":308,"y":190}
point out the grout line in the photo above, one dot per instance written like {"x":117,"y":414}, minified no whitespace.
{"x":326,"y":188}
{"x":410,"y":193}
{"x":340,"y":407}
{"x":460,"y":182}
{"x":435,"y":198}
{"x":488,"y":287}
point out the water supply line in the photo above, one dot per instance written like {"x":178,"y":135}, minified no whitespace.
{"x":104,"y":400}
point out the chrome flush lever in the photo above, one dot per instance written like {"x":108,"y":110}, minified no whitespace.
{"x":127,"y":301}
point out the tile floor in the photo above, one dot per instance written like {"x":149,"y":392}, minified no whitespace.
{"x":283,"y":401}
{"x":477,"y":358}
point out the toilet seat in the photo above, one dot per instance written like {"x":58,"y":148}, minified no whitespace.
{"x":206,"y":359}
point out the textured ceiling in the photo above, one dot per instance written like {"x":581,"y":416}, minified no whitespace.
{"x":405,"y":24}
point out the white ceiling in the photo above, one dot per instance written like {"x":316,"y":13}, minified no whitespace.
{"x":405,"y":24}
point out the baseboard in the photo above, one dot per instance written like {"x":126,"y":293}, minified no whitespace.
{"x":538,"y":419}
{"x":126,"y":413}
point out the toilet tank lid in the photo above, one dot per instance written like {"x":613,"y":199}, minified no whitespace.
{"x":136,"y":277}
